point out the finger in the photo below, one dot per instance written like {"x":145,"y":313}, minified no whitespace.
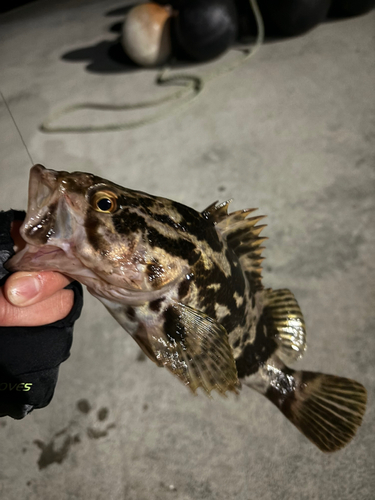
{"x":18,"y":241}
{"x":24,"y":288}
{"x":48,"y":311}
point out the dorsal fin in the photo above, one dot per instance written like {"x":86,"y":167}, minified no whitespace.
{"x":216,"y":212}
{"x":242,"y":236}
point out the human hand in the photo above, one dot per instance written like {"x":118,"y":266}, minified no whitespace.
{"x":33,"y":298}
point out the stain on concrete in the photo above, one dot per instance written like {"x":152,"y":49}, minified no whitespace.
{"x":102,"y":414}
{"x":97,"y":433}
{"x":57,"y":449}
{"x":63,"y":431}
{"x":50,"y":454}
{"x":141,"y":356}
{"x":217,"y":154}
{"x":83,"y":406}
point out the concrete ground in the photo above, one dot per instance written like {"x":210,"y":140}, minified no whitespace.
{"x":291,"y":132}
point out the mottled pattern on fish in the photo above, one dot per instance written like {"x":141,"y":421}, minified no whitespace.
{"x":187,"y":286}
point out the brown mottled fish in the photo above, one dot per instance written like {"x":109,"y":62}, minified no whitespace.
{"x":186,"y":285}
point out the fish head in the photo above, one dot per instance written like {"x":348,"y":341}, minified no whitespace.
{"x":97,"y":233}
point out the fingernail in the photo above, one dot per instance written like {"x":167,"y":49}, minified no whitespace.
{"x":24,"y":289}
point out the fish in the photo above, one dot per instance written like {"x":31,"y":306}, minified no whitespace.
{"x":187,"y":286}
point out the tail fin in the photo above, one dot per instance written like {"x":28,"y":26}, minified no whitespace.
{"x":327,"y":409}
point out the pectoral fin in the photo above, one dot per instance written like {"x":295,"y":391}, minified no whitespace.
{"x":196,"y":349}
{"x":190,"y":344}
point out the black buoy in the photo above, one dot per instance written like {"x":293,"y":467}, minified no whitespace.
{"x":247,"y":26}
{"x":206,"y":28}
{"x":173,"y":3}
{"x":347,"y":8}
{"x":293,"y":17}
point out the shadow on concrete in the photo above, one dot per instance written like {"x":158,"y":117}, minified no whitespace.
{"x":116,"y":28}
{"x":104,"y":57}
{"x":7,"y":5}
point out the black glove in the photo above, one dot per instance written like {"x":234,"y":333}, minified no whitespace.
{"x":30,"y":356}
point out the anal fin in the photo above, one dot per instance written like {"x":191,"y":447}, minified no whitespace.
{"x":284,"y":320}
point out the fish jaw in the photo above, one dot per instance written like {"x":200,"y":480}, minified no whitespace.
{"x":53,"y":215}
{"x":47,"y":258}
{"x":51,"y":226}
{"x":34,"y":258}
{"x":42,"y":183}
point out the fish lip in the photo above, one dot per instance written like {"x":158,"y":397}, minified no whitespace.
{"x":27,"y":257}
{"x":42,"y":183}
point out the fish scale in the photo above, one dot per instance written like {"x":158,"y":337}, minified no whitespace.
{"x":187,"y":287}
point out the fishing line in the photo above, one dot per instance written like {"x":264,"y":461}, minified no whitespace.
{"x":18,"y":130}
{"x":192,"y":87}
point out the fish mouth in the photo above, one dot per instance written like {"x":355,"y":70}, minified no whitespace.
{"x":42,"y":183}
{"x":49,"y":224}
{"x":45,"y":190}
{"x":50,"y":218}
{"x":33,"y":258}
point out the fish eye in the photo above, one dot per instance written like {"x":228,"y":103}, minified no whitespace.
{"x":104,"y":202}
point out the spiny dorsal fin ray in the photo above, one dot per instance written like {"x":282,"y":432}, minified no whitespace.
{"x":215,"y":213}
{"x":242,"y":235}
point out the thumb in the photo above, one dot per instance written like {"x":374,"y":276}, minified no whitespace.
{"x":27,"y":288}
